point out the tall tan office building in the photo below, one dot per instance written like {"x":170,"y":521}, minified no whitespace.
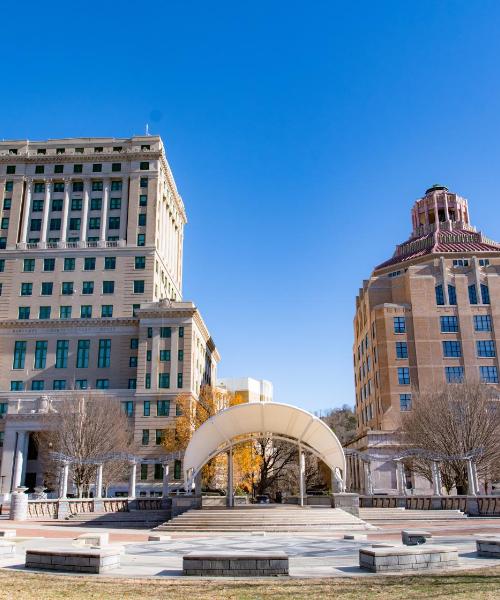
{"x":427,"y":316}
{"x":91,"y":242}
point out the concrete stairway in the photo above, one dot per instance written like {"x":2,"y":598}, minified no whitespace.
{"x":373,"y":515}
{"x":273,"y":518}
{"x":133,"y":519}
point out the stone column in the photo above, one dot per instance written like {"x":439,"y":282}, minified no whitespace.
{"x":476,"y":479}
{"x":64,"y":223}
{"x":85,"y":212}
{"x":98,"y":482}
{"x":104,"y":211}
{"x":197,"y":484}
{"x":471,"y":478}
{"x":166,"y":480}
{"x":436,"y":216}
{"x":63,"y":483}
{"x":132,"y":480}
{"x":46,"y":210}
{"x":124,"y":209}
{"x":400,"y":477}
{"x":27,"y":211}
{"x":446,"y":210}
{"x":230,"y":492}
{"x":368,"y":478}
{"x":19,"y":460}
{"x":436,"y":478}
{"x":302,"y":472}
{"x":19,"y":505}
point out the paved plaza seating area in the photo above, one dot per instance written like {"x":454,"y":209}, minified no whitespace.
{"x":236,"y":564}
{"x":81,"y":561}
{"x":402,"y":558}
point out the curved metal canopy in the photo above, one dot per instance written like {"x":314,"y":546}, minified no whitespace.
{"x":283,"y":420}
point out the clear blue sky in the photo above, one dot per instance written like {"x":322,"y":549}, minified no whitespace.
{"x":299,"y":134}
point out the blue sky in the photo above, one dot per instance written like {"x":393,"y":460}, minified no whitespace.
{"x":299,"y":134}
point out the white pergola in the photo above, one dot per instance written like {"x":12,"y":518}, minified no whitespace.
{"x":249,"y":421}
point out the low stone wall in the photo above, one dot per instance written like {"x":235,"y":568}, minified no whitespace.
{"x":80,"y":561}
{"x":488,"y":546}
{"x":474,"y":506}
{"x":403,"y":558}
{"x":224,"y":564}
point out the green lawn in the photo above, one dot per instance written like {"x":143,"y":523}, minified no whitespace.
{"x":483,"y":584}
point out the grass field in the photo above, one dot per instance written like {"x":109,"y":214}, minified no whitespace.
{"x":481,"y":584}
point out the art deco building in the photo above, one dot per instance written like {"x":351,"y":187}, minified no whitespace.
{"x":429,"y":315}
{"x":91,"y":243}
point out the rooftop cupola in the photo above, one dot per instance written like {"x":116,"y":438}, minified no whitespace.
{"x":439,"y":209}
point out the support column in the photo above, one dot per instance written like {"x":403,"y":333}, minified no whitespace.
{"x":436,"y":478}
{"x":368,"y":478}
{"x":19,"y":460}
{"x":132,"y":480}
{"x":85,"y":212}
{"x":446,"y":210}
{"x":64,"y":223}
{"x":124,"y":210}
{"x":98,"y":482}
{"x":471,"y":479}
{"x":400,"y":478}
{"x":27,"y":211}
{"x":46,"y":209}
{"x":230,"y":485}
{"x":302,"y":470}
{"x":104,"y":211}
{"x":25,"y":455}
{"x":476,"y":479}
{"x":197,"y":484}
{"x":166,"y":480}
{"x":63,"y":483}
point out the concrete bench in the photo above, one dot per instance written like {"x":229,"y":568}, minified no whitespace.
{"x":81,"y":561}
{"x":7,"y":533}
{"x":7,"y":547}
{"x":157,"y":537}
{"x":403,"y":558}
{"x":414,"y":537}
{"x":488,"y":546}
{"x":92,"y":539}
{"x":235,"y":564}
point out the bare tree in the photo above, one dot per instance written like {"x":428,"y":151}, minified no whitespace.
{"x":453,"y":421}
{"x":85,"y":429}
{"x":275,"y":456}
{"x":342,"y":421}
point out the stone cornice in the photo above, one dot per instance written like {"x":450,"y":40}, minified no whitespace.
{"x":36,"y":324}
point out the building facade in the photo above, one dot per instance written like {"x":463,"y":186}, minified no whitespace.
{"x":430,"y":315}
{"x":91,"y":247}
{"x":248,"y":388}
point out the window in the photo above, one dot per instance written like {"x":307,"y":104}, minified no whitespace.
{"x":38,"y":384}
{"x":144,"y":182}
{"x":404,"y":402}
{"x":23,"y":312}
{"x":49,"y":264}
{"x":26,"y":289}
{"x":143,"y":200}
{"x":65,"y":312}
{"x":128,"y":408}
{"x":472,"y":294}
{"x":76,"y":204}
{"x":102,"y":384}
{"x":158,"y":470}
{"x":74,"y":224}
{"x":11,"y":169}
{"x":144,"y":166}
{"x":97,"y":186}
{"x":140,"y":262}
{"x":60,"y":150}
{"x":116,"y":186}
{"x":58,"y":168}
{"x":39,"y":169}
{"x":485,"y":294}
{"x":109,"y":263}
{"x":7,"y":203}
{"x":164,"y":380}
{"x":180,"y":355}
{"x":141,"y":219}
{"x":452,"y":295}
{"x":97,"y":168}
{"x":162,"y":408}
{"x":179,"y":380}
{"x":135,"y":308}
{"x":181,"y":332}
{"x":482,"y":322}
{"x":108,"y":287}
{"x":145,"y":147}
{"x":115,"y":167}
{"x":164,"y":355}
{"x":158,"y":437}
{"x":141,"y":239}
{"x":37,"y":204}
{"x":146,"y":408}
{"x":81,"y":384}
{"x":147,"y":381}
{"x":452,"y":349}
{"x":144,"y":471}
{"x":484,"y":262}
{"x":403,"y":376}
{"x":148,"y":355}
{"x":145,"y":438}
{"x":16,"y":386}
{"x":454,"y":374}
{"x":4,"y":223}
{"x":132,"y":384}
{"x":69,"y":264}
{"x":40,"y":354}
{"x":58,"y":186}
{"x":36,"y":225}
{"x":19,"y":355}
{"x":86,"y":311}
{"x":44,"y":312}
{"x":82,"y":354}
{"x":150,"y":332}
{"x":486,"y":348}
{"x":177,"y":469}
{"x":89,"y":263}
{"x":114,"y":223}
{"x":439,"y":295}
{"x":2,"y":265}
{"x":88,"y":287}
{"x":29,"y":265}
{"x":77,"y":169}
{"x":132,"y":361}
{"x":59,"y":384}
{"x":178,"y":409}
{"x":95,"y":223}
{"x":104,"y":356}
{"x":139,"y":286}
{"x":115,"y":203}
{"x":165,"y":332}
{"x":461,"y":262}
{"x":399,"y":325}
{"x":134,"y":343}
{"x":107,"y":310}
{"x":449,"y":324}
{"x":488,"y":374}
{"x":67,"y":288}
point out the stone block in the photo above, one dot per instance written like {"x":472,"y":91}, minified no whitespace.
{"x":414,"y":537}
{"x":7,"y":533}
{"x":93,"y":539}
{"x":157,"y":537}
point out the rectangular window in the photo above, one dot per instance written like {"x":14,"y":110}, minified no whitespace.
{"x":11,"y":169}
{"x":44,"y":312}
{"x":145,"y":437}
{"x":78,"y":187}
{"x":88,"y":287}
{"x":147,"y":408}
{"x":181,"y":332}
{"x":164,"y":355}
{"x":164,"y":380}
{"x":147,"y":381}
{"x":38,"y":384}
{"x":9,"y":186}
{"x":40,"y":354}
{"x":488,"y":374}
{"x":62,"y":348}
{"x":102,"y":384}
{"x":65,"y":312}
{"x":114,"y":223}
{"x":162,"y":408}
{"x":77,"y":168}
{"x":115,"y":167}
{"x":109,"y":263}
{"x":399,"y":324}
{"x":132,"y":384}
{"x":16,"y":386}
{"x":5,"y":223}
{"x":49,"y":264}
{"x":59,"y":384}
{"x":76,"y":204}
{"x":148,"y":355}
{"x":23,"y":312}
{"x":165,"y":332}
{"x":36,"y":225}
{"x":3,"y":243}
{"x":69,"y":264}
{"x":472,"y":294}
{"x":139,"y":286}
{"x":57,"y":205}
{"x":179,"y":380}
{"x":134,"y":343}
{"x":39,"y":169}
{"x":158,"y":437}
{"x":143,"y":200}
{"x":482,"y":322}
{"x":82,"y":354}
{"x":46,"y":289}
{"x":485,"y":294}
{"x":19,"y":355}
{"x":135,"y":308}
{"x":97,"y":186}
{"x":439,"y":295}
{"x":486,"y":348}
{"x":178,"y":410}
{"x":74,"y":224}
{"x":454,"y":374}
{"x":452,"y":295}
{"x":107,"y":310}
{"x":144,"y":166}
{"x":7,"y":203}
{"x":141,"y":239}
{"x":141,"y":221}
{"x":96,"y":168}
{"x":177,"y":469}
{"x":403,"y":376}
{"x":81,"y":384}
{"x":67,"y":288}
{"x":144,"y":182}
{"x":58,"y":186}
{"x":2,"y":265}
{"x":108,"y":287}
{"x":180,"y":355}
{"x":401,"y":350}
{"x":95,"y":223}
{"x":144,"y":471}
{"x":140,"y":262}
{"x":452,"y":349}
{"x":26,"y":289}
{"x":404,"y":402}
{"x":115,"y":203}
{"x":89,"y":263}
{"x":449,"y":324}
{"x":58,"y":168}
{"x":158,"y":471}
{"x":132,"y":361}
{"x":150,"y":332}
{"x":104,"y":356}
{"x":128,"y":408}
{"x":116,"y":186}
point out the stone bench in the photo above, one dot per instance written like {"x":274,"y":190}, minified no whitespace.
{"x":403,"y":558}
{"x":7,"y":547}
{"x":92,"y":539}
{"x":7,"y":533}
{"x":414,"y":537}
{"x":158,"y":537}
{"x":488,"y":546}
{"x":82,"y":561}
{"x":235,"y":564}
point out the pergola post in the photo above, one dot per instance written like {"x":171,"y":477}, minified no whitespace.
{"x":302,"y":473}
{"x":63,"y":483}
{"x":400,"y":478}
{"x":98,"y":482}
{"x":476,"y":479}
{"x":230,"y":485}
{"x":471,"y":478}
{"x":436,"y":478}
{"x":166,"y":480}
{"x":197,"y":484}
{"x":368,"y":478}
{"x":132,"y":480}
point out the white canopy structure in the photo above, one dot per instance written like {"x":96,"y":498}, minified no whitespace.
{"x":247,"y":421}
